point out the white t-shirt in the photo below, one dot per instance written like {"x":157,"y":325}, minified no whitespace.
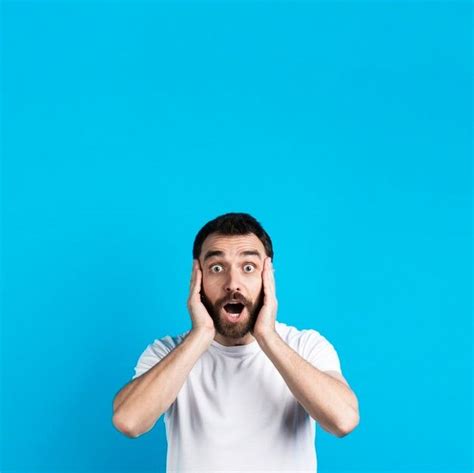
{"x":235,"y":413}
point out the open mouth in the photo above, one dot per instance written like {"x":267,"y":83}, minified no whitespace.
{"x":234,"y":310}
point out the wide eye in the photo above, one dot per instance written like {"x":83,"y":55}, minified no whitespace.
{"x":215,"y":266}
{"x":251,"y":266}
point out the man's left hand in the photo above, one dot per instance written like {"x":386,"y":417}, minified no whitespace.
{"x":265,"y":323}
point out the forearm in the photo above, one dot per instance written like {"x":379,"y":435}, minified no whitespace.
{"x":327,"y":400}
{"x":151,"y":394}
{"x":124,"y":392}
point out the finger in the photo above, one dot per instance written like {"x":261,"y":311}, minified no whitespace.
{"x":194,"y":279}
{"x":197,"y":282}
{"x":269,"y":299}
{"x":266,"y":281}
{"x":270,"y":276}
{"x":267,"y":269}
{"x":193,"y":272}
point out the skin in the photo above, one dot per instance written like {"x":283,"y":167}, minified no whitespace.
{"x":325,"y":395}
{"x":248,"y":278}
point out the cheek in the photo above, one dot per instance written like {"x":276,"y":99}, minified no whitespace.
{"x":205,"y":282}
{"x":257,"y":284}
{"x":209,"y":284}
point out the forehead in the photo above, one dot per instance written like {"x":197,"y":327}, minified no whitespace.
{"x":232,"y":245}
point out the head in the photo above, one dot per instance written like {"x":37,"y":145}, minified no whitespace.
{"x":231,"y":250}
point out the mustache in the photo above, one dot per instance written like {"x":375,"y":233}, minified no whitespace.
{"x":237,"y":296}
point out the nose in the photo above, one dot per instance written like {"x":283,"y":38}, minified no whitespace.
{"x":232,"y":282}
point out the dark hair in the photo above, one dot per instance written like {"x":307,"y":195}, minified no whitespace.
{"x":233,"y":223}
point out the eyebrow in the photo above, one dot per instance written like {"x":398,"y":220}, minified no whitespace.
{"x":212,"y":253}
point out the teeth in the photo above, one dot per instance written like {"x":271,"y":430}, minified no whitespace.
{"x":234,"y":316}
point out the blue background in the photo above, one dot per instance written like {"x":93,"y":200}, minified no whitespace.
{"x":344,"y":128}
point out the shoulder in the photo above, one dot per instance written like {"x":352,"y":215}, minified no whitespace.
{"x":169,"y":341}
{"x":312,"y":345}
{"x":157,"y":350}
{"x":296,"y":336}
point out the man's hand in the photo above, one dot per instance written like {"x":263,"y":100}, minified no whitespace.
{"x":199,"y":315}
{"x":265,"y":323}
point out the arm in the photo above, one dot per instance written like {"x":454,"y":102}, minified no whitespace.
{"x":123,"y":393}
{"x":140,"y":403}
{"x":327,"y":400}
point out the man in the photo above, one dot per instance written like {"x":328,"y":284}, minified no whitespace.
{"x":240,"y":391}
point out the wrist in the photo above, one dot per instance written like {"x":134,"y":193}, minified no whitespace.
{"x":265,"y":337}
{"x":204,"y":333}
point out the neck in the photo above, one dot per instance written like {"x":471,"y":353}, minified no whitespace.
{"x":230,"y":342}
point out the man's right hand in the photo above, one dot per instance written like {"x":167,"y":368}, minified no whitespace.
{"x":201,"y":320}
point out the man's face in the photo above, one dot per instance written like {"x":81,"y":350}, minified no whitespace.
{"x":232,"y":270}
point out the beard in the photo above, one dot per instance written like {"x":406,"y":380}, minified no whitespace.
{"x":238,"y":329}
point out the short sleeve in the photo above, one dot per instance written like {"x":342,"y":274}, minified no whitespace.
{"x":154,"y":353}
{"x":319,"y":351}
